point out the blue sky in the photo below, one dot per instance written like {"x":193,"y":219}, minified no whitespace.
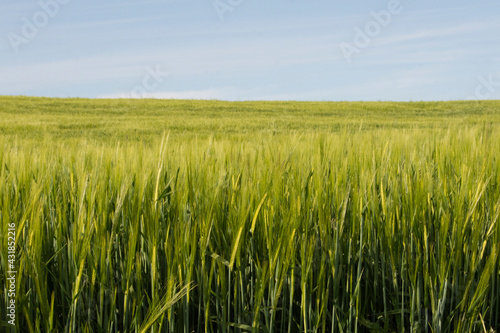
{"x":328,"y":50}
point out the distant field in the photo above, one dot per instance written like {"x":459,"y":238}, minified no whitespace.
{"x":146,"y":120}
{"x":194,"y":216}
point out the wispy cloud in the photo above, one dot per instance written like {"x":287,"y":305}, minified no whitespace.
{"x":216,"y":93}
{"x":16,"y":78}
{"x":439,"y":32}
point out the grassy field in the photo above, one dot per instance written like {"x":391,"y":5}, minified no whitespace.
{"x":207,"y":216}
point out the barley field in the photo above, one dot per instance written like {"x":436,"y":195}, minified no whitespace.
{"x":208,"y":216}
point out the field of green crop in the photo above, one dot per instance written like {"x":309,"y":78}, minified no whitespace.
{"x":207,"y":216}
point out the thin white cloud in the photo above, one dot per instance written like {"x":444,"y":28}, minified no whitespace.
{"x":110,"y":22}
{"x":75,"y":71}
{"x":423,"y":53}
{"x":215,"y":93}
{"x":406,"y":84}
{"x":439,"y":32}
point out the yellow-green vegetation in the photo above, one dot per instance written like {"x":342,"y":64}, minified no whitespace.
{"x":207,"y":216}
